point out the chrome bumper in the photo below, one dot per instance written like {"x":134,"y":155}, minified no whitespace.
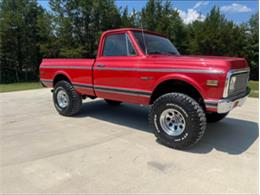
{"x":227,"y":104}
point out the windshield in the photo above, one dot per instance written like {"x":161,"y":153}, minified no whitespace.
{"x":155,"y":44}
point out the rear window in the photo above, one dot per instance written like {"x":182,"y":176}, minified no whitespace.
{"x":118,"y":45}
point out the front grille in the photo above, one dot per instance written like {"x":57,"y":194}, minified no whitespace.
{"x":240,"y":84}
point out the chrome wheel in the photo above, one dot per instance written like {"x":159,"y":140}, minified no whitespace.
{"x":172,"y":122}
{"x":62,"y":99}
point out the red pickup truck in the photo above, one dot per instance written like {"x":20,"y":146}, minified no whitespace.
{"x":143,"y":67}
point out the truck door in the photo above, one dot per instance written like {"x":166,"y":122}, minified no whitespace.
{"x":115,"y":71}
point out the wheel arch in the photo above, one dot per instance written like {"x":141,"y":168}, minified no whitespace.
{"x":61,"y":76}
{"x":178,"y":83}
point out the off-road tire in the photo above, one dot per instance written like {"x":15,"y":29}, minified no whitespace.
{"x":214,"y":117}
{"x":192,"y":112}
{"x":75,"y":100}
{"x":112,"y":102}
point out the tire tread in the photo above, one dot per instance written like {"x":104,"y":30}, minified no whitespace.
{"x":198,"y":111}
{"x":76,"y":100}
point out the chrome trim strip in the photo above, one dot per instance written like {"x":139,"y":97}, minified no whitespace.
{"x":46,"y":80}
{"x":122,"y":90}
{"x":67,"y":67}
{"x":124,"y":93}
{"x":211,"y":102}
{"x":118,"y":90}
{"x":211,"y":106}
{"x":236,"y":71}
{"x":81,"y":85}
{"x":161,"y":70}
{"x":229,"y":75}
{"x":137,"y":69}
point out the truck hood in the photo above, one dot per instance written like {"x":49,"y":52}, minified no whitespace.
{"x":218,"y":62}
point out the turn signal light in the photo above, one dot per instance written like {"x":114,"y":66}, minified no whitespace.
{"x":212,"y":83}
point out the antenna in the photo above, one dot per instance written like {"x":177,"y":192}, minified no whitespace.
{"x":145,"y":48}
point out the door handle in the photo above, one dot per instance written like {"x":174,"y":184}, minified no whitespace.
{"x":100,"y":65}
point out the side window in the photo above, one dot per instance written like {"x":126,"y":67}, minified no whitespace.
{"x":118,"y":45}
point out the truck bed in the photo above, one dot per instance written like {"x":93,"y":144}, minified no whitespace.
{"x":78,"y":71}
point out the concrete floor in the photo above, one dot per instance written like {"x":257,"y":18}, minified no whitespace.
{"x":113,"y":150}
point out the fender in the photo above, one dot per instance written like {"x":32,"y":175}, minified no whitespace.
{"x":62,"y":72}
{"x":181,"y":77}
